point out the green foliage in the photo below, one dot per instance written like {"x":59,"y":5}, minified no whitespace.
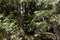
{"x":38,"y":22}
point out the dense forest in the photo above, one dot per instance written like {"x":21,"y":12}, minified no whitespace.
{"x":29,"y":19}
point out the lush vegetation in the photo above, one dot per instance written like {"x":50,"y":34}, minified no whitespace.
{"x":29,"y":19}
